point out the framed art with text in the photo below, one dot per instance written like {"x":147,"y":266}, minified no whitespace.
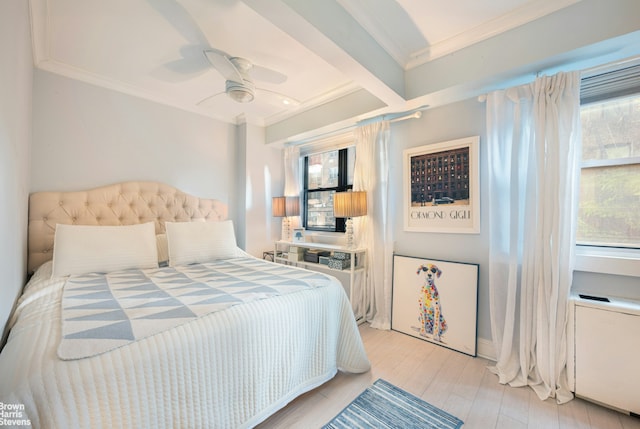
{"x":436,"y":301}
{"x":441,"y":187}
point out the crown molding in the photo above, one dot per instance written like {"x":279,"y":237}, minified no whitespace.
{"x":326,"y":97}
{"x":86,"y":76}
{"x":39,"y":21}
{"x":40,"y":27}
{"x":82,"y":75}
{"x":529,"y":12}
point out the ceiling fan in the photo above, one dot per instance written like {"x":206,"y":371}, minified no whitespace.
{"x":240,"y":74}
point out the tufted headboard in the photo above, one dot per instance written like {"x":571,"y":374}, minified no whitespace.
{"x":120,"y":204}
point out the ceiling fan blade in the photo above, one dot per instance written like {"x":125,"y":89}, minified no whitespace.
{"x":263,"y":95}
{"x":204,"y":100}
{"x":276,"y":98}
{"x":178,"y":71}
{"x":181,"y":20}
{"x":187,"y":66}
{"x":222,"y":62}
{"x":191,"y":60}
{"x":268,"y":75}
{"x":190,"y":65}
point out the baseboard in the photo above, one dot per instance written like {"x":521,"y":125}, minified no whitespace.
{"x":485,"y":349}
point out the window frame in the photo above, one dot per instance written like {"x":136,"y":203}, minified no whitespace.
{"x":599,"y":258}
{"x":605,"y":163}
{"x":343,"y":186}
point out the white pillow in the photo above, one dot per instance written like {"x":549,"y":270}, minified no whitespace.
{"x":80,"y":249}
{"x":196,"y":242}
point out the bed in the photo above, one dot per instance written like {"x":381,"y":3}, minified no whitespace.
{"x":230,"y":363}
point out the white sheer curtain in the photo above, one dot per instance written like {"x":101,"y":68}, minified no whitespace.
{"x":292,"y":178}
{"x":533,"y":143}
{"x":292,"y":171}
{"x":371,"y":174}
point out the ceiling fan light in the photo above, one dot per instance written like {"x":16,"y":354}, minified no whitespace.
{"x":241,"y":93}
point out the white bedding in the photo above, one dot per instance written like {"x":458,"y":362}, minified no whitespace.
{"x":104,"y":311}
{"x":228,"y":369}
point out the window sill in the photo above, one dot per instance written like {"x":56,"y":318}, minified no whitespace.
{"x":326,"y":237}
{"x":623,"y":262}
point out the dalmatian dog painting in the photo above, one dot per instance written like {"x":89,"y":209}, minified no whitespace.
{"x":436,"y":301}
{"x":432,"y":323}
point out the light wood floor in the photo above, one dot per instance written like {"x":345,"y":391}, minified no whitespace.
{"x":457,"y":383}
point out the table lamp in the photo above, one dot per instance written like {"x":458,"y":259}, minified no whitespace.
{"x":285,"y":207}
{"x":350,"y":205}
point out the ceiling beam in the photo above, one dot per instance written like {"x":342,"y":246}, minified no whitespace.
{"x":326,"y":29}
{"x":579,"y":36}
{"x":325,"y":116}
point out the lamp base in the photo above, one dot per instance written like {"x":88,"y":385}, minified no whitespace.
{"x":349,"y":231}
{"x":286,"y":230}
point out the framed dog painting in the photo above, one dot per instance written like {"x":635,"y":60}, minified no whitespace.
{"x":441,"y":187}
{"x":436,"y":301}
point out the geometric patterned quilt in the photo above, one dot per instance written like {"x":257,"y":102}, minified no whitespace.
{"x":101,"y":312}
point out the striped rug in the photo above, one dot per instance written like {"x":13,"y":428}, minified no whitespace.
{"x":385,"y":406}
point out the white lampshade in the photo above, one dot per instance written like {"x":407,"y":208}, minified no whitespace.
{"x":278,"y":207}
{"x":350,"y":204}
{"x":292,"y":206}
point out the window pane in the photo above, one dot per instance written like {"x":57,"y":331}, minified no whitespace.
{"x":609,"y":211}
{"x":323,"y":170}
{"x":611,"y":129}
{"x":320,"y":210}
{"x":326,"y":173}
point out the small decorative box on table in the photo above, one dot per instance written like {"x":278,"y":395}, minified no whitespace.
{"x":339,"y":264}
{"x":313,"y":255}
{"x":344,"y":256}
{"x":295,"y":253}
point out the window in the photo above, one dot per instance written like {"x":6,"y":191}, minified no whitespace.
{"x":609,"y":207}
{"x":325,"y":174}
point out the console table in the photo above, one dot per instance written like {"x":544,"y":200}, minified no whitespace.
{"x":357,"y":260}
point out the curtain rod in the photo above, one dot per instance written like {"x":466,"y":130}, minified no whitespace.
{"x":391,"y":117}
{"x":414,"y":115}
{"x":394,"y":117}
{"x":590,"y":71}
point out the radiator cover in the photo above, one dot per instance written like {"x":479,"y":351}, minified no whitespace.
{"x":607,"y":352}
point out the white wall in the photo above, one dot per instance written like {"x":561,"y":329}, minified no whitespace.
{"x":86,"y":136}
{"x":263,"y":178}
{"x":450,"y":122}
{"x":16,"y":80}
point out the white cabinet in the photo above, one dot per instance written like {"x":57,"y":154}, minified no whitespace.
{"x":607,"y":346}
{"x":352,"y":273}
